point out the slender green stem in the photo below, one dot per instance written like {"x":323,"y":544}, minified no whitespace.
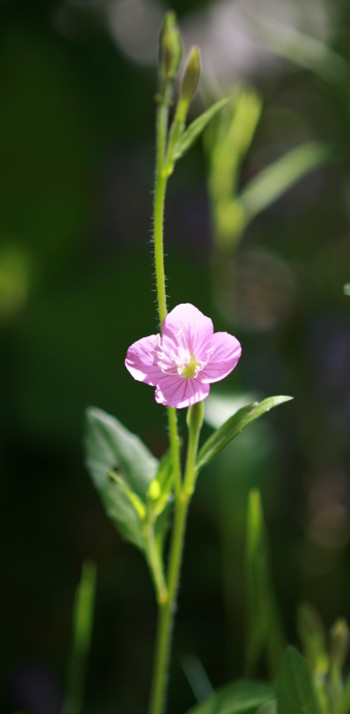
{"x":159,"y":201}
{"x":175,"y":450}
{"x":167,"y":611}
{"x":183,"y":495}
{"x":158,"y":238}
{"x":194,"y":421}
{"x":155,"y":564}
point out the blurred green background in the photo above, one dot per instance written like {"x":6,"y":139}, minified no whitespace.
{"x":77,"y":85}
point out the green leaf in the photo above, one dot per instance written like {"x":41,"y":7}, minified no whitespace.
{"x":294,"y":686}
{"x":83,"y":617}
{"x":305,"y":51}
{"x":235,"y":698}
{"x":313,"y":639}
{"x":194,"y":130}
{"x":233,"y":426}
{"x":268,"y":708}
{"x":159,"y":497}
{"x":273,"y":181}
{"x":110,"y":447}
{"x":264,"y":629}
{"x":160,"y":487}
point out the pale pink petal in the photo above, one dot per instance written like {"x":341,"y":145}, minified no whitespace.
{"x":226,"y":351}
{"x":179,"y":392}
{"x":186,"y":326}
{"x":140,"y":360}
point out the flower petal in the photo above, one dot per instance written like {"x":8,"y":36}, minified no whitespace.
{"x":225,"y":353}
{"x":186,"y":326}
{"x":140,"y":360}
{"x":178,"y":392}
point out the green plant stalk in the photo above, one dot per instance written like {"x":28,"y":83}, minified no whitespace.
{"x":183,"y":493}
{"x":167,"y":609}
{"x":155,"y":564}
{"x":159,"y":200}
{"x":161,"y":181}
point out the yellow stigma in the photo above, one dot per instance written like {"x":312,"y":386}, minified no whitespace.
{"x":191,"y":369}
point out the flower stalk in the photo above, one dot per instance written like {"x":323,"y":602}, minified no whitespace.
{"x":166,"y":603}
{"x":182,"y":361}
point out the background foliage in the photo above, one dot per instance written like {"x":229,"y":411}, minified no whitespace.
{"x":77,"y":81}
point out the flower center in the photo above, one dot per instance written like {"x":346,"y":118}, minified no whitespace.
{"x":191,"y":368}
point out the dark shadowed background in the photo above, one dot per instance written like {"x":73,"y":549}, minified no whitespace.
{"x":77,"y":85}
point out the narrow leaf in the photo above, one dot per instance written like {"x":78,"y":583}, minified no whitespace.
{"x":294,"y":686}
{"x":83,"y":616}
{"x":264,"y":629}
{"x":235,"y":698}
{"x":273,"y":181}
{"x":194,"y":130}
{"x":110,"y":447}
{"x":233,"y":426}
{"x":304,"y":50}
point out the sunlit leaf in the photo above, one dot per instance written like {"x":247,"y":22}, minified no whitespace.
{"x":294,"y":686}
{"x":110,"y":447}
{"x":273,"y":181}
{"x":194,"y":130}
{"x":235,"y":698}
{"x":233,"y":426}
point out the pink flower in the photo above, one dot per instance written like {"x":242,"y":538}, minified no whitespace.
{"x":185,"y":359}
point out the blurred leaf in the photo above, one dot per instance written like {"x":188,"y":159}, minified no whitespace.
{"x":313,"y":639}
{"x":345,"y":705}
{"x":294,"y":686}
{"x":240,"y":696}
{"x":304,"y":50}
{"x":83,"y":616}
{"x":227,"y":142}
{"x":14,"y":281}
{"x":268,"y":708}
{"x":273,"y":181}
{"x":233,"y":426}
{"x":197,"y":677}
{"x":264,"y":625}
{"x":111,"y":447}
{"x":194,"y":130}
{"x":347,"y":289}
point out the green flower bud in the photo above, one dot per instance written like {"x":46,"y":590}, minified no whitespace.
{"x":192,"y":74}
{"x":194,"y":417}
{"x":170,"y":47}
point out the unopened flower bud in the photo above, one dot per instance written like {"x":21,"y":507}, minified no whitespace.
{"x":170,"y":47}
{"x":192,"y":74}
